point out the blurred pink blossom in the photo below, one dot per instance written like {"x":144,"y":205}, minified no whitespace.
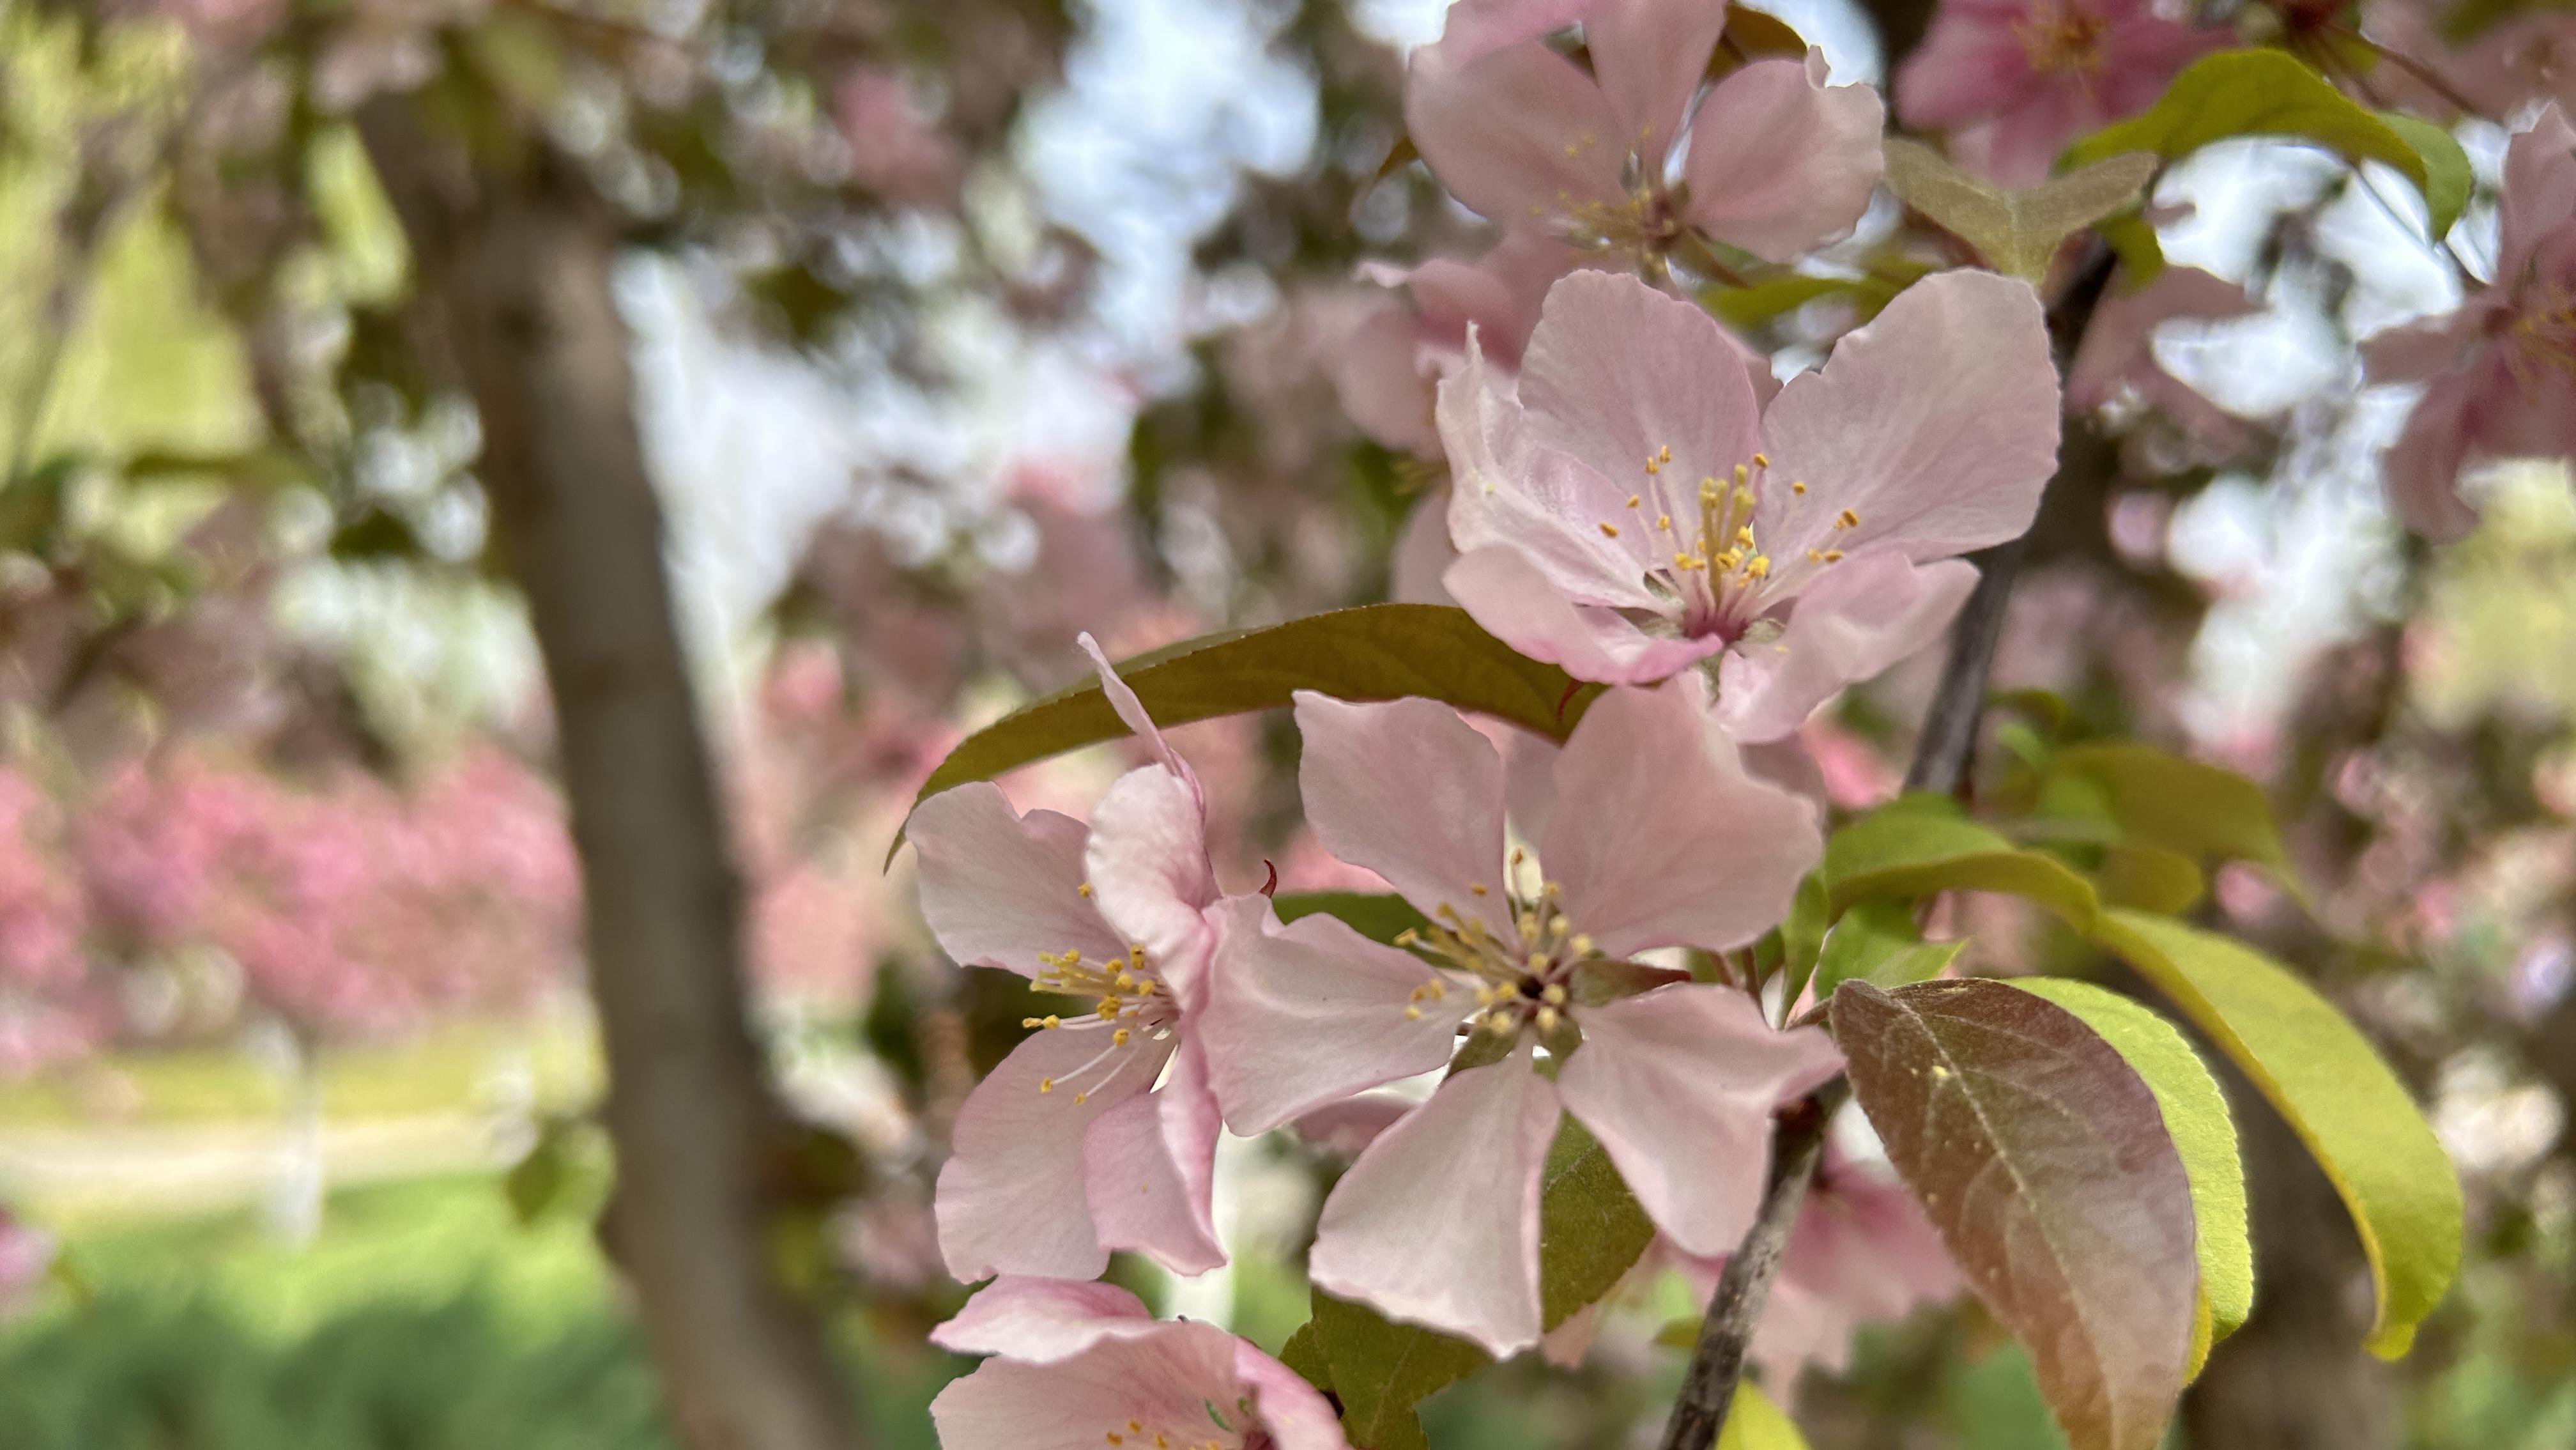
{"x":2013,"y":81}
{"x":896,"y":147}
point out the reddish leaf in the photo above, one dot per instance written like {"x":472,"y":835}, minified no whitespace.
{"x":2040,"y":1155}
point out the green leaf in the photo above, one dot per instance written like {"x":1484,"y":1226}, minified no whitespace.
{"x":2259,"y":92}
{"x":2448,"y":178}
{"x":2017,"y":231}
{"x":1375,"y":652}
{"x":2149,"y":878}
{"x":2041,"y":1157}
{"x":2341,"y":1099}
{"x":2195,"y":1113}
{"x":1906,"y":850}
{"x":1754,"y":1423}
{"x":1876,"y":942}
{"x":1381,"y":916}
{"x":2132,"y":238}
{"x":1746,"y":308}
{"x":1304,"y":1354}
{"x":2163,"y":799}
{"x":1591,"y":1229}
{"x":1382,"y":1369}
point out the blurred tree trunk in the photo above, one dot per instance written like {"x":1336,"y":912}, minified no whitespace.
{"x":2295,"y":1377}
{"x":512,"y":277}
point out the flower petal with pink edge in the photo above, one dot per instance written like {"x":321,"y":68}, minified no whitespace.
{"x":1859,"y":617}
{"x":1308,"y":1013}
{"x":2423,"y":466}
{"x":999,"y":888}
{"x":1010,"y":1196}
{"x":1780,"y":161}
{"x":1148,"y":866}
{"x":2539,"y":192}
{"x":1131,"y":712}
{"x":1163,"y":1380}
{"x":1413,"y":793}
{"x":1352,"y":1124}
{"x":1679,"y":1084}
{"x":1437,"y":1222}
{"x":1546,"y":505}
{"x":1644,"y":388}
{"x":1520,"y":135}
{"x":1040,"y":1319}
{"x":1935,"y":425}
{"x":1296,"y":1416}
{"x":1649,"y":56}
{"x":1149,"y":1166}
{"x":1507,"y":596}
{"x":1659,"y":837}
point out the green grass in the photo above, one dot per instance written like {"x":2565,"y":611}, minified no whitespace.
{"x":425,"y":1317}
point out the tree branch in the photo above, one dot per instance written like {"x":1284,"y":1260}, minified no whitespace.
{"x":1941,"y":756}
{"x":514,"y":271}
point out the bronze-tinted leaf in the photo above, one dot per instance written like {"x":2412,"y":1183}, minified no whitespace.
{"x":2042,"y":1158}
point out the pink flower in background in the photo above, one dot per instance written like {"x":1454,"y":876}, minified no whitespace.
{"x":1082,"y":1366}
{"x":896,"y":147}
{"x":2117,"y":363}
{"x":2510,"y":64}
{"x":1069,"y":1149}
{"x":1778,"y":161}
{"x":2500,"y":371}
{"x":1627,"y":508}
{"x":2013,"y":81}
{"x":1652,"y":836}
{"x":26,"y":1256}
{"x":1387,"y":368}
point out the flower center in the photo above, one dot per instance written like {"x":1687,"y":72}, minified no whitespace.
{"x":2059,"y":36}
{"x":1523,"y":978}
{"x":1699,"y":547}
{"x":1133,"y":1006}
{"x":1136,"y":1434}
{"x":2544,"y":337}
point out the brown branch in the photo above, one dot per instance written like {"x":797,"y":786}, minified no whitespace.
{"x":514,"y":261}
{"x":1941,"y":756}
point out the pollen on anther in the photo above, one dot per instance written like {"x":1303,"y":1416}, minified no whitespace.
{"x":1609,"y":531}
{"x":1635,"y":499}
{"x":1846,"y":520}
{"x":1412,"y":1014}
{"x":1046,"y":1084}
{"x":1479,"y":888}
{"x":1798,"y":487}
{"x":1763,"y":460}
{"x":1083,"y":891}
{"x":1051,"y":1022}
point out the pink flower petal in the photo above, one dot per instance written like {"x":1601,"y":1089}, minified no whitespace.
{"x":1164,"y":1381}
{"x":999,"y":888}
{"x":1659,"y":838}
{"x":1859,"y":617}
{"x":1437,"y":1222}
{"x":1780,"y":161}
{"x":1010,"y":1197}
{"x":1308,"y":1013}
{"x":1352,"y":1124}
{"x":1131,"y":711}
{"x":1649,"y":56}
{"x":1149,"y":1165}
{"x":1509,"y":598}
{"x":1041,"y":1319}
{"x":1410,"y":791}
{"x":1679,"y":1085}
{"x":1148,"y":866}
{"x":2539,"y":192}
{"x":1297,"y":1417}
{"x":2423,"y":465}
{"x":1622,"y":376}
{"x":1520,"y":134}
{"x":1935,"y":425}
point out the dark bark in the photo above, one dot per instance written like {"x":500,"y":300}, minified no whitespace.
{"x":513,"y":286}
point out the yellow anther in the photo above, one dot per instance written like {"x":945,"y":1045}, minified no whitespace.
{"x":1554,"y":994}
{"x":1728,"y":560}
{"x":1686,"y":563}
{"x":1757,"y":567}
{"x":1833,"y":556}
{"x":1117,"y":1439}
{"x":1080,"y":1098}
{"x":1798,"y":487}
{"x":1846,"y":520}
{"x":1537,"y":962}
{"x":1046,"y":1084}
{"x":1083,"y":891}
{"x":1634,"y":500}
{"x":1664,"y":522}
{"x":1742,"y":473}
{"x":1118,"y":1038}
{"x":1032,"y":1021}
{"x":1407,"y":937}
{"x":1609,"y":531}
{"x":1547,"y":1019}
{"x":1582,"y":945}
{"x":1664,"y":454}
{"x":1412,"y":1014}
{"x":1744,"y":500}
{"x":1744,"y":536}
{"x":1051,"y":1022}
{"x":1478,"y":888}
{"x":1126,"y":982}
{"x":1135,"y":1427}
{"x":1108,"y":1007}
{"x":1484,"y":995}
{"x":1761,"y":460}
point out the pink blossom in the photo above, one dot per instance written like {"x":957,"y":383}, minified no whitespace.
{"x":1386,"y":368}
{"x":2509,"y":65}
{"x":1079,"y":1366}
{"x":1651,"y":835}
{"x":896,"y":147}
{"x":2498,"y":372}
{"x":1069,"y":1150}
{"x":1777,"y":160}
{"x":1627,"y":508}
{"x":2117,"y":363}
{"x":2013,"y":81}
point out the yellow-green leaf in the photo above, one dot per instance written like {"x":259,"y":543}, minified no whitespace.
{"x":2195,"y":1113}
{"x":2262,"y":92}
{"x":2448,"y":178}
{"x":1754,"y":1423}
{"x":2341,"y":1099}
{"x":2017,"y":231}
{"x":2200,"y":810}
{"x":2149,"y":878}
{"x":1906,"y":850}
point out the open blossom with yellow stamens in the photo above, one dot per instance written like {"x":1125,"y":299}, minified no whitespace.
{"x":1626,"y":508}
{"x":1097,"y":1132}
{"x":1083,"y":1366}
{"x":1656,"y":838}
